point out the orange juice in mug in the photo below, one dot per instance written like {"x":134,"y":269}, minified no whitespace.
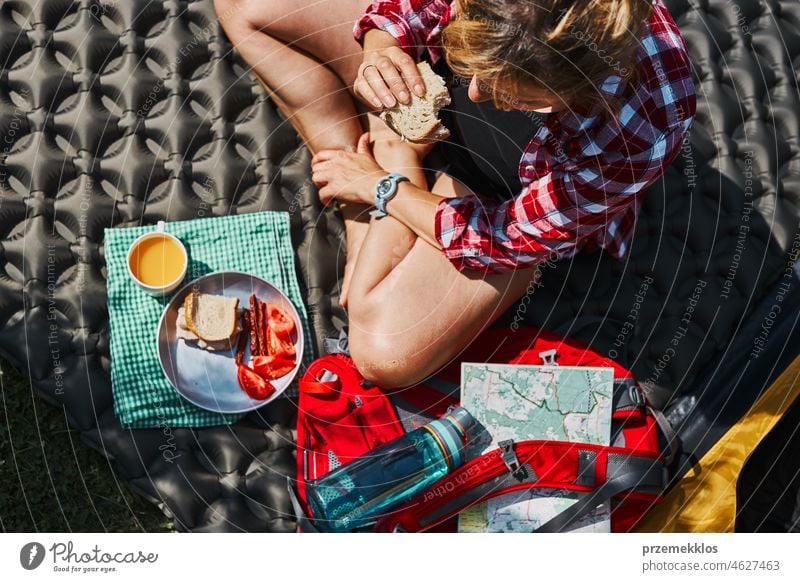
{"x":157,"y":261}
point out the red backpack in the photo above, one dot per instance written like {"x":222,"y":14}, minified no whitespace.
{"x":341,"y":416}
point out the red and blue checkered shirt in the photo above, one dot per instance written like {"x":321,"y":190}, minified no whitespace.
{"x":583,"y":174}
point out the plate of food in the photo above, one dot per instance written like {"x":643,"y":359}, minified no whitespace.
{"x":230,"y":342}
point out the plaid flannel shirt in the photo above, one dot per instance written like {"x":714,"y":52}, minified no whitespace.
{"x":584,"y":172}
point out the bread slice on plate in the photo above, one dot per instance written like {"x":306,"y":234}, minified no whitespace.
{"x":418,"y":122}
{"x":212,"y":318}
{"x":184,"y":333}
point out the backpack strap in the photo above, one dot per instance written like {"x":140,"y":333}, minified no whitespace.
{"x":627,"y":395}
{"x":601,"y":472}
{"x":623,"y":474}
{"x":337,"y":345}
{"x":671,"y":437}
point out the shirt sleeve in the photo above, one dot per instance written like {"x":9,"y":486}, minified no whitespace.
{"x":416,"y":24}
{"x":590,"y":191}
{"x":554,"y":215}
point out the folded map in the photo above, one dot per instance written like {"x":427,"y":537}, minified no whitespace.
{"x":522,"y":402}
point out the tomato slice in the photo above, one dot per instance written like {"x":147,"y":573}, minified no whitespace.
{"x":279,"y":320}
{"x":254,"y":385}
{"x":271,"y":367}
{"x":280,"y":346}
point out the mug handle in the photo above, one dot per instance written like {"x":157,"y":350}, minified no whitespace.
{"x":161,"y":226}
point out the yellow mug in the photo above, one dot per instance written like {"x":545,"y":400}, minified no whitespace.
{"x":157,"y":261}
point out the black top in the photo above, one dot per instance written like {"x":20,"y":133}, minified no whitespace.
{"x":485,"y":143}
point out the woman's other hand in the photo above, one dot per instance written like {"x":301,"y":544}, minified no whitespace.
{"x":387,"y":73}
{"x":346,"y":176}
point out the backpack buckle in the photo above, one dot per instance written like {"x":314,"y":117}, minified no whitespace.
{"x":549,"y":357}
{"x":636,"y":395}
{"x":337,"y":345}
{"x":511,"y":460}
{"x":327,"y":376}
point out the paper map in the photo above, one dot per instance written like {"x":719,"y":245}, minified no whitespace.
{"x":519,"y":402}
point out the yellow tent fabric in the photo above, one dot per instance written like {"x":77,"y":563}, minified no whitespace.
{"x":705,"y":499}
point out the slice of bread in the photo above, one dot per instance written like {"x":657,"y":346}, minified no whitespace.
{"x":183,"y":332}
{"x":417,"y":122}
{"x":211,"y":317}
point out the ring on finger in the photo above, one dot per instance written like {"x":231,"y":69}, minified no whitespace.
{"x":364,"y":70}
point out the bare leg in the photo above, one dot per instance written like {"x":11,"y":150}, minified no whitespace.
{"x":409,"y":320}
{"x":390,"y":238}
{"x":307,"y":64}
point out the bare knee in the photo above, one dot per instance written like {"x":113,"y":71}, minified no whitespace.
{"x":382,"y":361}
{"x":237,"y":16}
{"x":376,"y":356}
{"x":228,"y":11}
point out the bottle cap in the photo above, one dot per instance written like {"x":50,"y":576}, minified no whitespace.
{"x":454,"y":430}
{"x":463,"y":419}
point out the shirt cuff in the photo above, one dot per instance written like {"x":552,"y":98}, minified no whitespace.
{"x":366,"y":23}
{"x":374,"y":21}
{"x":450,"y":226}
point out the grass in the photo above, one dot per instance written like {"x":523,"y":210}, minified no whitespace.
{"x":52,"y":482}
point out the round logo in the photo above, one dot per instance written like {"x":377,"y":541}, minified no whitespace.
{"x":31,"y":555}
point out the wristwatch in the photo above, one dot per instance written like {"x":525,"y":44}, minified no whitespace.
{"x":385,"y":190}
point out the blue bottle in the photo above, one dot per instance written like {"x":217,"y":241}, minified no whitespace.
{"x":355,"y":495}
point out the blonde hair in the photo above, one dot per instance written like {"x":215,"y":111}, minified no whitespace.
{"x":566,"y":47}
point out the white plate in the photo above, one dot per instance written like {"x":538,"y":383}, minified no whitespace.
{"x":208,"y":379}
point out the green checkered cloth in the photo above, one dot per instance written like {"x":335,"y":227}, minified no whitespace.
{"x":258,"y":244}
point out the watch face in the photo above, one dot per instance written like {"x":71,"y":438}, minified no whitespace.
{"x":385,"y":186}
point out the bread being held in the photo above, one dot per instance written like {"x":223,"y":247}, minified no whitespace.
{"x":418,"y":122}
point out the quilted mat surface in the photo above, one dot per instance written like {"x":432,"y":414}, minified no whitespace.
{"x":124,"y":113}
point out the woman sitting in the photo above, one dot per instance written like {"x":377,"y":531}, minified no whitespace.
{"x":564,"y":113}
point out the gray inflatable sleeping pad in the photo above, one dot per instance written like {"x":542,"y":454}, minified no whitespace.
{"x":124,"y":113}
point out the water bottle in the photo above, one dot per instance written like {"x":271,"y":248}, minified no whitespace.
{"x":356,"y":494}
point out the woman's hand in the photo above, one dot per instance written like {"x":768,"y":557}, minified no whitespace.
{"x":387,"y":73}
{"x":347,"y":176}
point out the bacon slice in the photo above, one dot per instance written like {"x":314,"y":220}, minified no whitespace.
{"x":255,"y":345}
{"x":244,"y":336}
